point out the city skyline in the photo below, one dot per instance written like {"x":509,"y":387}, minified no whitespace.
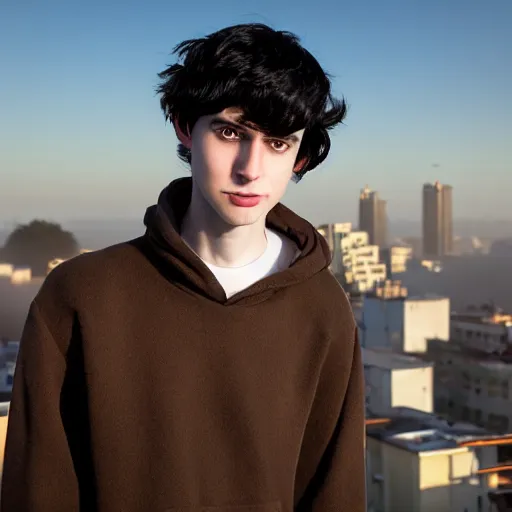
{"x":427,"y":88}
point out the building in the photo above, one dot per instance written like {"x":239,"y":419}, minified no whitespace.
{"x":437,"y":220}
{"x":6,"y":269}
{"x":373,"y":217}
{"x":363,"y":270}
{"x":471,"y":386}
{"x":487,"y":329}
{"x":397,"y":380}
{"x":396,"y":259}
{"x":21,"y":275}
{"x":403,"y":323}
{"x":417,"y":462}
{"x":333,"y":234}
{"x":355,"y":263}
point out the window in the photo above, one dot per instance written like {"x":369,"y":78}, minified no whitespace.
{"x":504,"y":389}
{"x":477,"y":416}
{"x":466,"y":413}
{"x":493,"y":388}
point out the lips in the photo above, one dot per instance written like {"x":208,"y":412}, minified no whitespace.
{"x":244,"y":200}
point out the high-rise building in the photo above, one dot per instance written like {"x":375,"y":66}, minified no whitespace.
{"x":373,"y":217}
{"x":355,"y":263}
{"x":437,"y":219}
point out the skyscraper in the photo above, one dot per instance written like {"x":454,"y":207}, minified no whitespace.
{"x":437,"y":220}
{"x":373,"y":217}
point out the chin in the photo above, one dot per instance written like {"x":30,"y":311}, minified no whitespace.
{"x":242,"y":218}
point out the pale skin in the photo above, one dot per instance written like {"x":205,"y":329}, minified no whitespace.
{"x":229,"y":160}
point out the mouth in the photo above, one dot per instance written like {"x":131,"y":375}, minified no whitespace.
{"x":242,"y":194}
{"x":243,"y":200}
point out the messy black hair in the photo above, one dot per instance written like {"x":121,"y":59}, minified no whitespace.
{"x":278,"y":85}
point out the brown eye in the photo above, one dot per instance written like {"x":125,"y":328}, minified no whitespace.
{"x":229,"y":134}
{"x":279,"y":146}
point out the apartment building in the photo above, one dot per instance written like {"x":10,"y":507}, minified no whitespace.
{"x":373,"y":217}
{"x":471,"y":386}
{"x":486,"y":329}
{"x":397,"y":380}
{"x":396,"y":259}
{"x":403,"y":323}
{"x":355,"y":262}
{"x":417,"y":462}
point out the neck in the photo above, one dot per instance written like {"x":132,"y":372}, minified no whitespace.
{"x":215,"y":241}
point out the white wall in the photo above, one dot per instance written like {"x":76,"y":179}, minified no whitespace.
{"x":413,"y":388}
{"x":425,"y":319}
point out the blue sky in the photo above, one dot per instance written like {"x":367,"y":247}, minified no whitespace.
{"x":428,"y":83}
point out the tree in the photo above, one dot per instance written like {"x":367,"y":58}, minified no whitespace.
{"x":35,"y":244}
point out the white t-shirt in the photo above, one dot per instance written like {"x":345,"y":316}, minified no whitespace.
{"x":278,"y":255}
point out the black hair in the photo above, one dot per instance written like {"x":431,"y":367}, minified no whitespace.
{"x":279,"y":86}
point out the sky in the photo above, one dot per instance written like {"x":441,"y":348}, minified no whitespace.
{"x":428,"y":86}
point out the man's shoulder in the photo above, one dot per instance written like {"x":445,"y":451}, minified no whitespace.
{"x":328,"y":297}
{"x":78,"y":276}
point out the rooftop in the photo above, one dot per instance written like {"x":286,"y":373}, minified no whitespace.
{"x":411,"y":298}
{"x":497,"y":362}
{"x":418,"y":431}
{"x":382,"y":358}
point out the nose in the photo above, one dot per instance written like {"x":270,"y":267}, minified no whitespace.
{"x":249,"y":164}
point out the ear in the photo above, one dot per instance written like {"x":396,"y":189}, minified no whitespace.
{"x":184,"y":138}
{"x":300,"y":164}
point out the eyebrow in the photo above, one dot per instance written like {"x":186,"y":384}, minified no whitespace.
{"x":219,"y":121}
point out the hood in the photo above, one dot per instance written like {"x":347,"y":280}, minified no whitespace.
{"x":179,"y":263}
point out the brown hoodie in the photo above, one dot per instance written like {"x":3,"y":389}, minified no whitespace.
{"x":139,"y":387}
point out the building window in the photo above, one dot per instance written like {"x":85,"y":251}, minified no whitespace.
{"x":477,"y":416}
{"x":504,"y":389}
{"x":466,"y":413}
{"x":493,"y":388}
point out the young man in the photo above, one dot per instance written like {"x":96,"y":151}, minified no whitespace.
{"x":211,"y":365}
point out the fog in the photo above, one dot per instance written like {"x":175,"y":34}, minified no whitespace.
{"x":466,"y":280}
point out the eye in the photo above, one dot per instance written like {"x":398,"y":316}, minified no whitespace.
{"x":279,"y":146}
{"x":229,"y":133}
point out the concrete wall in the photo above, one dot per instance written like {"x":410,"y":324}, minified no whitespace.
{"x":378,"y":388}
{"x":402,"y":479}
{"x":448,"y":482}
{"x":383,"y":323}
{"x":413,"y":388}
{"x":425,"y":319}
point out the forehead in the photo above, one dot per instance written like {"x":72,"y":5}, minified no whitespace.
{"x":234,"y":115}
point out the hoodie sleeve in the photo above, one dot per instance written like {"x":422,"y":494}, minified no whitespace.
{"x":338,"y":479}
{"x":38,"y":473}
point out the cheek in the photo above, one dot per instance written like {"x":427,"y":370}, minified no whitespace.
{"x":215,"y":159}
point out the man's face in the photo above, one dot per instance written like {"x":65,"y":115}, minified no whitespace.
{"x":241,"y":172}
